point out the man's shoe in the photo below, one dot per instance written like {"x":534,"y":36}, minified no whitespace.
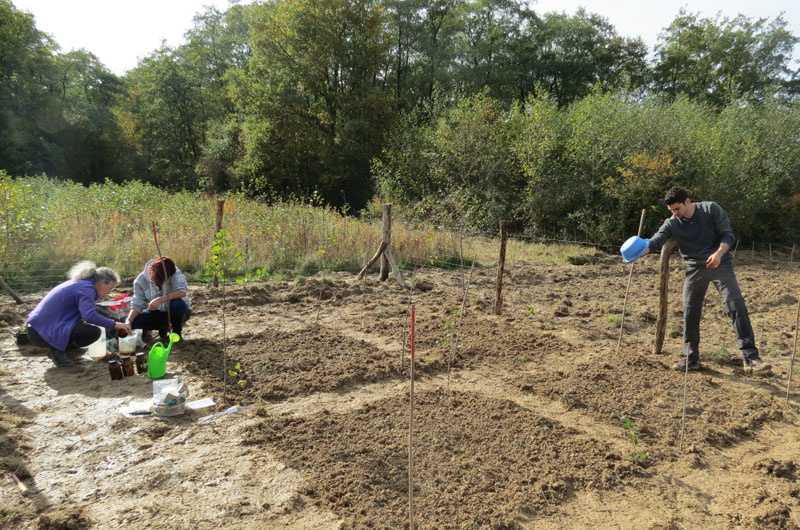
{"x":756,"y":365}
{"x":59,"y":358}
{"x":680,"y":366}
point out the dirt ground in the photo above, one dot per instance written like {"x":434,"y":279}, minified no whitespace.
{"x":519,"y":420}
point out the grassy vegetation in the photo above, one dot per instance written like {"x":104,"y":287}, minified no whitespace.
{"x":59,"y":223}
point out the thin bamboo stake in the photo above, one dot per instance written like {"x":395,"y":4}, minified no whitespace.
{"x":685,"y":387}
{"x":405,"y":325}
{"x":630,"y":277}
{"x":410,"y":433}
{"x":458,"y":330}
{"x":166,"y":280}
{"x":794,"y":351}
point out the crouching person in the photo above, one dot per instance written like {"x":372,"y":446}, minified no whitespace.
{"x":62,"y":320}
{"x":152,"y":291}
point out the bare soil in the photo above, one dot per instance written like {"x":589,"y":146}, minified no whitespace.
{"x":518,"y":419}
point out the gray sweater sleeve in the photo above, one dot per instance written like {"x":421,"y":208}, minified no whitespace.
{"x":661,"y":237}
{"x":722,"y":223}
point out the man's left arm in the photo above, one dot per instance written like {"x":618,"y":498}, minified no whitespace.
{"x":722,"y":224}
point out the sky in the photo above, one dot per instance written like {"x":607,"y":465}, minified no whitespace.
{"x":121,"y":32}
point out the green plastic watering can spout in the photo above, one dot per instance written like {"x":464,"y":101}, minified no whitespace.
{"x":173,"y":338}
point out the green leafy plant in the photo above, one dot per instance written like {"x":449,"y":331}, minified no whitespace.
{"x":225,"y":259}
{"x":632,"y":430}
{"x":238,"y":373}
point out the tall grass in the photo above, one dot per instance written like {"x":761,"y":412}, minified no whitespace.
{"x":111,"y":224}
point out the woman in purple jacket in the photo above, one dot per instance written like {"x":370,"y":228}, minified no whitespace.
{"x":59,"y":320}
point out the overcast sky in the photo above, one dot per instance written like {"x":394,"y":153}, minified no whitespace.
{"x":120,"y":32}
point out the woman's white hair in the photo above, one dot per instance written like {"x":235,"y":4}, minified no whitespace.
{"x":84,"y":270}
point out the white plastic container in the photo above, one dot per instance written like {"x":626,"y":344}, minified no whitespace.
{"x":127,"y":344}
{"x":97,"y":349}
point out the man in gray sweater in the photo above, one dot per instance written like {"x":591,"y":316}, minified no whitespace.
{"x":703,"y":233}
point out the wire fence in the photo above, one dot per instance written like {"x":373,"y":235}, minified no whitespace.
{"x":437,"y":247}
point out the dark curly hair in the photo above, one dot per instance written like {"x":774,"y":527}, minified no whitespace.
{"x":676,"y":195}
{"x":157,"y":271}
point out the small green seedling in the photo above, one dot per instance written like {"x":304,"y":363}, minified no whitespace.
{"x":721,"y":355}
{"x":238,"y":373}
{"x":633,"y":435}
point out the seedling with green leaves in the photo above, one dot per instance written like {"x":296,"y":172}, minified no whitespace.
{"x":238,"y":373}
{"x":632,"y":429}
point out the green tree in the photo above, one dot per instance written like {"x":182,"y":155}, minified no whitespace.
{"x":567,"y":56}
{"x":164,"y":116}
{"x":27,"y":110}
{"x":314,"y":112}
{"x":720,"y":60}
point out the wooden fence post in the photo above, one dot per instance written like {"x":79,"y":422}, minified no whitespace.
{"x":663,"y":284}
{"x":386,"y":238}
{"x":218,"y":227}
{"x":7,"y":288}
{"x":501,"y":265}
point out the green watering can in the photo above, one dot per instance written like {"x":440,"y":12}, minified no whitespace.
{"x":157,"y":358}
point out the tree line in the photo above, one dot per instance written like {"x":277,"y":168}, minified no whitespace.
{"x":470,"y":109}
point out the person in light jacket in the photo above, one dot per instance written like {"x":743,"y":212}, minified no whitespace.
{"x":151,"y":294}
{"x":62,"y":319}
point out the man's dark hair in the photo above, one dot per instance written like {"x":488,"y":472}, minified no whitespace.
{"x":676,"y":195}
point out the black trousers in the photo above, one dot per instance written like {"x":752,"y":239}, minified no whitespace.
{"x":157,"y":320}
{"x":82,"y":335}
{"x":694,"y":292}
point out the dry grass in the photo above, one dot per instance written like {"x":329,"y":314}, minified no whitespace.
{"x":111,"y":224}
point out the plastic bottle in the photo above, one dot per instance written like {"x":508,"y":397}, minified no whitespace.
{"x":97,"y":349}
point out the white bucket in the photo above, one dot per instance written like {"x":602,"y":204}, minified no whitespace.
{"x":127,"y":344}
{"x":97,"y":349}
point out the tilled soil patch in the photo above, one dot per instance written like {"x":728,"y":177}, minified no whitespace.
{"x":273,"y":365}
{"x":720,"y":410}
{"x":478,"y":462}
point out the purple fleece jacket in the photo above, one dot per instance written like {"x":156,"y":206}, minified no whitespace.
{"x":63,"y":308}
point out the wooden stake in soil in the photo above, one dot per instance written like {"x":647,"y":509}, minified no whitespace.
{"x":501,"y":265}
{"x":663,"y":284}
{"x":7,"y":288}
{"x":387,"y":238}
{"x":410,"y":432}
{"x":384,"y":251}
{"x":794,"y":351}
{"x":630,"y":277}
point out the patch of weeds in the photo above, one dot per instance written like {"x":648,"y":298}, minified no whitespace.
{"x":578,"y":259}
{"x":612,"y":319}
{"x":299,"y":281}
{"x":526,"y":359}
{"x":632,"y":430}
{"x":721,"y":355}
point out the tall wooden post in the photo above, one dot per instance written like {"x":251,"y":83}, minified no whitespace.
{"x":663,"y":284}
{"x":218,"y":227}
{"x":501,"y":265}
{"x":386,"y":238}
{"x":10,"y":291}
